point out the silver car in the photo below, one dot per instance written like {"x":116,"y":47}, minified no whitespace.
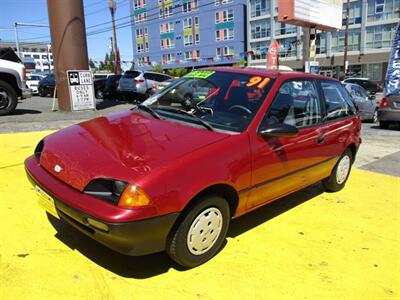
{"x":366,"y":103}
{"x":139,"y":84}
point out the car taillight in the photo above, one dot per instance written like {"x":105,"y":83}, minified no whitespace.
{"x":24,"y":74}
{"x":139,"y":80}
{"x":384,"y":103}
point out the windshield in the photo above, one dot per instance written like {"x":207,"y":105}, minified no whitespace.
{"x":224,"y":100}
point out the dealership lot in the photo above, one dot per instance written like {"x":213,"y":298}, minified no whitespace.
{"x":308,"y":245}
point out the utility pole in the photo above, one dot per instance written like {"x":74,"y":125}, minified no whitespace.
{"x":306,"y":46}
{"x":346,"y":40}
{"x":113,"y":7}
{"x":68,"y":37}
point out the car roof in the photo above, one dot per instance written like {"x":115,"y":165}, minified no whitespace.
{"x":268,"y":73}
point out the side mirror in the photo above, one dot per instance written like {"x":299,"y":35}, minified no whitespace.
{"x":279,"y":130}
{"x":371,"y":97}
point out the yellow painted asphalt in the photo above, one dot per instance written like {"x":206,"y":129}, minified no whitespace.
{"x":309,"y":245}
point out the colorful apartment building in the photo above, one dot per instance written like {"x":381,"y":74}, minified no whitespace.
{"x":188,"y":33}
{"x":372,"y":28}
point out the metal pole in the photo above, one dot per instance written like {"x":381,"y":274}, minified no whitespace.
{"x":68,"y":36}
{"x":17,"y":39}
{"x":113,"y":7}
{"x":306,"y":46}
{"x":346,"y":40}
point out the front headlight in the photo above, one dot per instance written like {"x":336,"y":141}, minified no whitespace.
{"x":106,"y":189}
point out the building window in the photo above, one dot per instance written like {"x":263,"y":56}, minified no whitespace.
{"x":189,"y":6}
{"x":260,"y":29}
{"x":190,"y":55}
{"x":259,"y":50}
{"x":140,"y":18}
{"x":139,"y":4}
{"x":288,"y":47}
{"x":220,"y":2}
{"x":168,"y":58}
{"x":225,"y":51}
{"x":167,"y":43}
{"x":191,"y":31}
{"x":223,"y":16}
{"x":283,"y":28}
{"x":165,"y":10}
{"x":259,"y":8}
{"x":383,"y":10}
{"x":37,"y":56}
{"x":338,"y":40}
{"x":166,"y":27}
{"x":380,"y":36}
{"x":379,"y":6}
{"x":143,"y":60}
{"x":224,"y":34}
{"x":142,"y":40}
{"x":354,"y":14}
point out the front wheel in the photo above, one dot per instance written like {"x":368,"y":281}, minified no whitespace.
{"x":8,"y":98}
{"x":340,"y":173}
{"x":200,"y":233}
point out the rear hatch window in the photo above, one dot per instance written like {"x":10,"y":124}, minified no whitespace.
{"x":131,"y":74}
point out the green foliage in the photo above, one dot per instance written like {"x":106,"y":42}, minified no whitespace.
{"x":177,"y":72}
{"x":132,"y":68}
{"x":108,"y":64}
{"x":158,"y":69}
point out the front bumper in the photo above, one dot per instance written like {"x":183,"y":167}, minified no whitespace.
{"x":139,"y":237}
{"x":26,"y":93}
{"x":389,"y":115}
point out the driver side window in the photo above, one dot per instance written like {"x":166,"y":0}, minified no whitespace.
{"x":297,"y":104}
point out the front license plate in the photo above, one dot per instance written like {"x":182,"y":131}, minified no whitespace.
{"x":46,"y":201}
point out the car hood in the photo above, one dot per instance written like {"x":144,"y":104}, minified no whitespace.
{"x":124,"y":146}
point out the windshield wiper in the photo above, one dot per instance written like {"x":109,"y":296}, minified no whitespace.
{"x":184,"y":112}
{"x":147,"y":109}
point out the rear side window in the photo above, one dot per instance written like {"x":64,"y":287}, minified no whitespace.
{"x":338,"y":102}
{"x":297,"y":104}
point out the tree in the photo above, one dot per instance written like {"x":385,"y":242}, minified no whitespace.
{"x":92,"y":65}
{"x":158,"y":69}
{"x":177,"y":72}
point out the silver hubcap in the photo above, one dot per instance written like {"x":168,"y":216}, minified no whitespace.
{"x":343,"y":169}
{"x":204,"y":231}
{"x":375,"y":117}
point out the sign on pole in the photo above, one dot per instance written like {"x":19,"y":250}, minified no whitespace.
{"x":273,"y":56}
{"x":319,"y":14}
{"x":393,"y":70}
{"x":81,"y":90}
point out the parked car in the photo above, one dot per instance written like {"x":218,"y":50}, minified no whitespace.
{"x":389,"y":111}
{"x":172,"y":176}
{"x":372,"y":87}
{"x":110,"y":87}
{"x":47,"y":85}
{"x":138,"y":84}
{"x":12,"y":81}
{"x":161,"y":85}
{"x":365,"y":103}
{"x":99,"y":85}
{"x":32,"y":81}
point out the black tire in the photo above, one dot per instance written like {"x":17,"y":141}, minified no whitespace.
{"x":8,"y":98}
{"x":375,"y":116}
{"x":383,"y":124}
{"x":178,"y":245}
{"x":335,"y":182}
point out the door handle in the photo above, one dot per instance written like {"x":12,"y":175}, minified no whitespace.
{"x":321,"y":139}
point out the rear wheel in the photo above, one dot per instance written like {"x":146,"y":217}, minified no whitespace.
{"x":8,"y":98}
{"x":384,"y":124}
{"x":340,"y":173}
{"x":200,"y":233}
{"x":375,"y":116}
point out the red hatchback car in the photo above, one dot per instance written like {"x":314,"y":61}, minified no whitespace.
{"x":171,"y":173}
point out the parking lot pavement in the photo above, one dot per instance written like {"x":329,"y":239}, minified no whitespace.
{"x":36,"y":114}
{"x":309,"y":245}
